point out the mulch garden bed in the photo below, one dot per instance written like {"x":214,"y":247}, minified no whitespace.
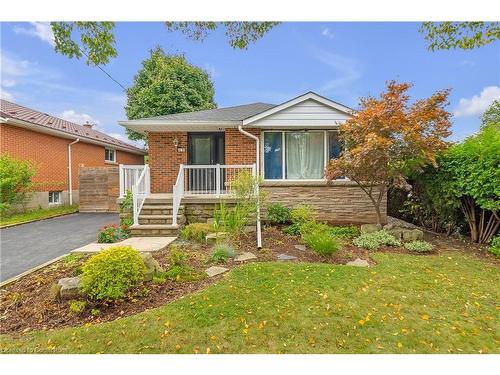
{"x":28,"y":305}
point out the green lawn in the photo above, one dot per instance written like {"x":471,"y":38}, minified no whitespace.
{"x":37,"y":214}
{"x":405,"y":304}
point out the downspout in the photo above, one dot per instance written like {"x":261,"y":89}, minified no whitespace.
{"x":69,"y":171}
{"x":257,"y":168}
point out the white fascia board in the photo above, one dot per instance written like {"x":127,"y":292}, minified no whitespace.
{"x":144,"y":126}
{"x":297,"y":100}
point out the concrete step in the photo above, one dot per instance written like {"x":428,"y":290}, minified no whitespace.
{"x":160,"y":219}
{"x":154,"y":230}
{"x":159,"y":210}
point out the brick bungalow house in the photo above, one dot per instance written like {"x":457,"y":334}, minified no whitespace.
{"x":192,"y":157}
{"x":58,"y":148}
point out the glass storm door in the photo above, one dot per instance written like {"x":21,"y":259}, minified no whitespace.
{"x":204,"y":149}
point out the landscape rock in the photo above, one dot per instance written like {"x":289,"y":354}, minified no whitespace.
{"x":369,"y":228}
{"x":300,"y":247}
{"x":245,"y":256}
{"x":69,"y":287}
{"x":211,"y":221}
{"x":397,"y":232}
{"x":286,"y":257}
{"x":213,"y":237}
{"x":358,"y":263}
{"x":152,"y":266}
{"x":215,"y":270}
{"x":412,"y":235}
{"x":249,"y":229}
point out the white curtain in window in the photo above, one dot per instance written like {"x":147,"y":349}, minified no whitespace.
{"x":304,"y":155}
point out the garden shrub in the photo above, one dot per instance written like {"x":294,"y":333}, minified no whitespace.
{"x":302,"y":214}
{"x":375,"y":240}
{"x":494,"y":247}
{"x":313,"y":226}
{"x":231,"y":220}
{"x":15,"y":181}
{"x":221,"y":252}
{"x":177,"y":256}
{"x":344,"y":232}
{"x":419,"y":246}
{"x":292,"y":230}
{"x":321,"y":242}
{"x":196,"y":231}
{"x":278,"y":214}
{"x":112,"y":272}
{"x":77,"y":307}
{"x":113,"y":233}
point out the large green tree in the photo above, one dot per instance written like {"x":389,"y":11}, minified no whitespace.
{"x":463,"y":35}
{"x":167,"y":84}
{"x":96,"y":40}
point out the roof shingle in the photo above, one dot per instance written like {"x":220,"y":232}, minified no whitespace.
{"x":16,"y":111}
{"x":237,"y":113}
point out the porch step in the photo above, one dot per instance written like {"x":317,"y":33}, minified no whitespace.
{"x":159,"y":209}
{"x":160,"y":219}
{"x":154,"y":230}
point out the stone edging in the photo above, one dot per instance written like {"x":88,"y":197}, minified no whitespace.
{"x":25,"y":273}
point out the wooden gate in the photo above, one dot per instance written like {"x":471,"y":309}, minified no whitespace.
{"x":99,"y":189}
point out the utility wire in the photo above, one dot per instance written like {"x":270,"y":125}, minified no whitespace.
{"x":105,"y":72}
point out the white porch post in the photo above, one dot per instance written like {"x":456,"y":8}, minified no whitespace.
{"x":217,"y":180}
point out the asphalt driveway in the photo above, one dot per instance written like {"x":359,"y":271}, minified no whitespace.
{"x":25,"y":246}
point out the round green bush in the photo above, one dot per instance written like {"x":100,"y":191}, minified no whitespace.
{"x":112,"y":272}
{"x":278,"y":214}
{"x":419,"y":246}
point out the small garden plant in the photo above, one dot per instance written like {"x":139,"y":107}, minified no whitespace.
{"x":351,"y":231}
{"x":321,"y":242}
{"x":222,"y":252}
{"x":375,"y":240}
{"x":494,"y":247}
{"x":178,"y":269}
{"x":278,"y":214}
{"x":77,"y":307}
{"x":112,"y":272}
{"x":419,"y":246}
{"x":113,"y":233}
{"x":196,"y":231}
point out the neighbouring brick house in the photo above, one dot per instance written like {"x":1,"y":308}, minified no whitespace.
{"x":48,"y":141}
{"x":192,"y":157}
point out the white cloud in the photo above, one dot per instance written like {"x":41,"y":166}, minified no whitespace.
{"x":478,"y":103}
{"x":40,"y":30}
{"x":12,"y":67}
{"x":327,"y":33}
{"x":345,"y":70}
{"x":78,"y":118}
{"x":6,"y":95}
{"x":8,"y":82}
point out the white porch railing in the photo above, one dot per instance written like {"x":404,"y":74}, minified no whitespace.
{"x":205,"y":180}
{"x":140,"y":191}
{"x":129,"y":174}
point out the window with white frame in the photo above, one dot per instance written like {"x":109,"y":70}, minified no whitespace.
{"x":55,"y":197}
{"x":299,"y":155}
{"x":109,"y":155}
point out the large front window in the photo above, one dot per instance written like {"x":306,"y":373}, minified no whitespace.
{"x":298,"y":155}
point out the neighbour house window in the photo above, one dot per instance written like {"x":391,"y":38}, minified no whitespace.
{"x":298,"y":155}
{"x":109,"y":155}
{"x":55,"y":197}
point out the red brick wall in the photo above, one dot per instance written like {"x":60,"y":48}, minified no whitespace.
{"x":49,"y":154}
{"x":240,"y":149}
{"x":165,"y":158}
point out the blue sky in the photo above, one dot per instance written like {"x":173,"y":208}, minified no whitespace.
{"x":342,"y":61}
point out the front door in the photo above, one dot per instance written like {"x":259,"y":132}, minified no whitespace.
{"x":204,"y":149}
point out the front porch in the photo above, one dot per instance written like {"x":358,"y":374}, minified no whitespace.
{"x":196,"y":191}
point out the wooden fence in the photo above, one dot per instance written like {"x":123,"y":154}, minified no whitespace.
{"x":99,"y":189}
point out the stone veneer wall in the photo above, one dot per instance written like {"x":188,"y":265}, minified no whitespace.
{"x":343,"y":202}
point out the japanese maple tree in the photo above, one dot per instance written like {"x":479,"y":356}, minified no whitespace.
{"x":388,"y":138}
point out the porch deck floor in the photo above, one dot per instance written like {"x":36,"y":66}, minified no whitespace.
{"x":193,"y":197}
